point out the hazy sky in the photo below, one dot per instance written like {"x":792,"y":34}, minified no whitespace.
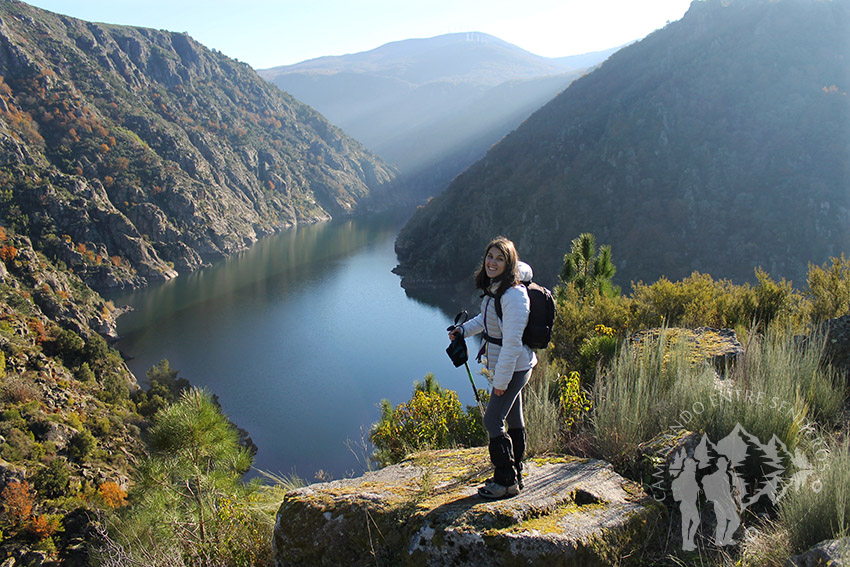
{"x":267,"y":33}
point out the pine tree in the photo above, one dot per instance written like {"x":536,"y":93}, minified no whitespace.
{"x":189,"y":501}
{"x":588,"y":270}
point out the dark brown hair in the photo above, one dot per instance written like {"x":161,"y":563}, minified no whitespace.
{"x":509,"y":277}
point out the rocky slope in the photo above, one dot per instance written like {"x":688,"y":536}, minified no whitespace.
{"x":716,"y":144}
{"x":133,"y":154}
{"x":69,"y":432}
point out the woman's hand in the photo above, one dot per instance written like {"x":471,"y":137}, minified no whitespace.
{"x":455,"y":331}
{"x":498,"y":392}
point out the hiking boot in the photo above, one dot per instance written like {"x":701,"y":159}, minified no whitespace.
{"x":494,"y":491}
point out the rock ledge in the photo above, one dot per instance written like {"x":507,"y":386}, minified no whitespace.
{"x":426,"y":511}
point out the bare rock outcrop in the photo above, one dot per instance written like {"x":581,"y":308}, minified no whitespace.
{"x":835,"y":553}
{"x":719,"y":346}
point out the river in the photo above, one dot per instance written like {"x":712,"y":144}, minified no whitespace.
{"x":300,"y":338}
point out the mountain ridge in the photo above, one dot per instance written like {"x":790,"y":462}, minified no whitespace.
{"x":712,"y":145}
{"x":393,"y":57}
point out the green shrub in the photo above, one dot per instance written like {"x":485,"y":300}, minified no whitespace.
{"x":100,"y":426}
{"x":165,"y":388}
{"x":52,"y":481}
{"x":597,"y":350}
{"x":701,"y":301}
{"x":432,"y":419}
{"x":774,"y":300}
{"x":81,"y":446}
{"x":84,"y":373}
{"x":829,"y":289}
{"x":18,"y":445}
{"x":576,"y":320}
{"x":68,"y":345}
{"x":12,"y":417}
{"x":696,"y":301}
{"x":574,"y":401}
{"x":96,"y":349}
{"x":115,"y":389}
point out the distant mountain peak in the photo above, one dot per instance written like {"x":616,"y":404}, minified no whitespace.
{"x":463,"y":55}
{"x":431,"y":106}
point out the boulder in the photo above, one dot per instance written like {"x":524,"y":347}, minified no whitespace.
{"x":426,"y":511}
{"x":835,"y":553}
{"x":720,"y":346}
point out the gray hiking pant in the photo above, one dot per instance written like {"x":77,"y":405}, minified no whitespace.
{"x":507,"y":407}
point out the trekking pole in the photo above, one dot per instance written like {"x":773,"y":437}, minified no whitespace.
{"x":458,"y":353}
{"x":475,"y":391}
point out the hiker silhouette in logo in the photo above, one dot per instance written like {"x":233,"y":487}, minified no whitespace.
{"x":718,"y":489}
{"x":499,"y":277}
{"x":685,"y":490}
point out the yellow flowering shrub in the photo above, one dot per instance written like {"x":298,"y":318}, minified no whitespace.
{"x":430,"y":420}
{"x":575,"y":403}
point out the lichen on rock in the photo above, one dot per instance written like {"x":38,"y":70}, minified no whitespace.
{"x":426,"y":511}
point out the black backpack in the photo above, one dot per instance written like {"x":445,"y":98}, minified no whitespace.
{"x":538,"y":331}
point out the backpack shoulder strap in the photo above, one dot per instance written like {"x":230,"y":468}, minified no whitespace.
{"x":499,"y":301}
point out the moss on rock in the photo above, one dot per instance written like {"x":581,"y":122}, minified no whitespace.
{"x":426,"y":511}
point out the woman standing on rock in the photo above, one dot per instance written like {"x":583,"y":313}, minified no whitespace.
{"x":507,"y":358}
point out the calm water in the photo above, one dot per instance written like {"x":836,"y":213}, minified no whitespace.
{"x":300,"y":338}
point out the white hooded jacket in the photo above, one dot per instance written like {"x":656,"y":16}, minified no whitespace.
{"x":512,"y":356}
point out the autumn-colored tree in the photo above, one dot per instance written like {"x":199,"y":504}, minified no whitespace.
{"x":37,"y":327}
{"x":42,"y":527}
{"x":18,"y":503}
{"x":8,"y":253}
{"x":113,"y":495}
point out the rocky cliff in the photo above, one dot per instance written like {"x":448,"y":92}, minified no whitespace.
{"x":133,"y":154}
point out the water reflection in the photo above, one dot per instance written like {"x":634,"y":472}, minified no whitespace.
{"x":270,"y":268}
{"x":299,"y":337}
